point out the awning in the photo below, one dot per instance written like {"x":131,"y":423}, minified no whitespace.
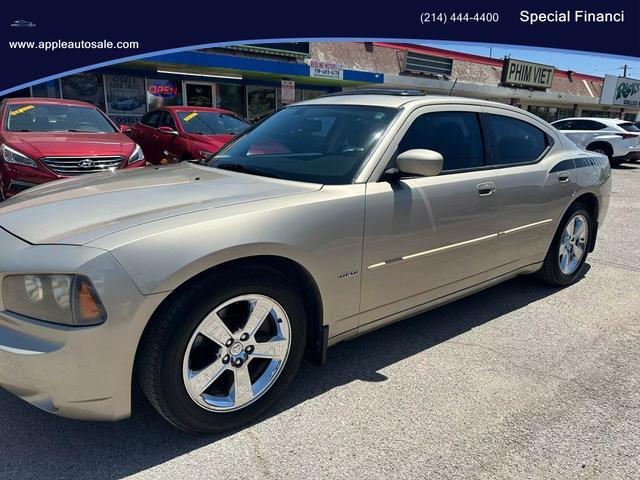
{"x":198,"y":63}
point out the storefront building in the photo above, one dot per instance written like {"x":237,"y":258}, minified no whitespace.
{"x":251,"y":80}
{"x":541,"y":89}
{"x":256,"y":80}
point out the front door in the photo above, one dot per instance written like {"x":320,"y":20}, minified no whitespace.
{"x":167,"y":144}
{"x":427,"y":237}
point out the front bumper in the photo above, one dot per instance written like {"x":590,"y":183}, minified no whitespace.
{"x":75,"y":372}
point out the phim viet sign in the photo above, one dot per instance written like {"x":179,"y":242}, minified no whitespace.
{"x":517,"y":73}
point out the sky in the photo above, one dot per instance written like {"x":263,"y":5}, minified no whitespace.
{"x":591,"y":63}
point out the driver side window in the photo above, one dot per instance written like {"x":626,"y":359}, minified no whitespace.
{"x":167,"y":121}
{"x":455,"y":135}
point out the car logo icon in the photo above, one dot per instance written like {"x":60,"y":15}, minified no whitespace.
{"x":86,"y":163}
{"x":22,"y":24}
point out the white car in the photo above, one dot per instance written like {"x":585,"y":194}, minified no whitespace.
{"x":617,"y":139}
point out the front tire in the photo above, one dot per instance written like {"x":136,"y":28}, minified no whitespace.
{"x":224,"y":349}
{"x":568,"y":252}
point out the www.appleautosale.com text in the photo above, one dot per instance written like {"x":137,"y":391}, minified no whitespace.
{"x":52,"y":45}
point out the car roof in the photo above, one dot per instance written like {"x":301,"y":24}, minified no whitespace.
{"x":400,"y":100}
{"x":615,"y":121}
{"x":43,"y":100}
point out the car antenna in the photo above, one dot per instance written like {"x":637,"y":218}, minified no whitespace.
{"x":453,"y":86}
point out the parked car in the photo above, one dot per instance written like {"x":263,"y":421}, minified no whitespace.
{"x":173,"y":134}
{"x":333,"y":217}
{"x":43,"y":139}
{"x":618,"y":139}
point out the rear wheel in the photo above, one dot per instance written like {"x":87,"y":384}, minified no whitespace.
{"x":567,"y":254}
{"x":604,"y":149}
{"x":224,"y":350}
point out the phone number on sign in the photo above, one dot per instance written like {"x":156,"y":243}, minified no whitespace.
{"x":441,"y":17}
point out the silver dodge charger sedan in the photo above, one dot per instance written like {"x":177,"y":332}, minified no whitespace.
{"x":208,"y":283}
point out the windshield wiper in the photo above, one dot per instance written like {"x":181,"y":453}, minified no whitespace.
{"x":238,"y":167}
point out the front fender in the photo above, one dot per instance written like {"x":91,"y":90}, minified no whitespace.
{"x":321,"y":231}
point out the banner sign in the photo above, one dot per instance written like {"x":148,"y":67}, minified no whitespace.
{"x":325,"y":70}
{"x":288,"y":88}
{"x":620,"y":91}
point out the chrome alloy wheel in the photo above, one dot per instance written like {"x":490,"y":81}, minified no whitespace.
{"x":237,"y":353}
{"x":573,"y":243}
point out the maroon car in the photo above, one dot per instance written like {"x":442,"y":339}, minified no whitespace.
{"x":173,"y":134}
{"x":44,"y":139}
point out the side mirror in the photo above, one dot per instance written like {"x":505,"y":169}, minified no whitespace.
{"x":425,"y":163}
{"x":125,"y":128}
{"x":165,"y":129}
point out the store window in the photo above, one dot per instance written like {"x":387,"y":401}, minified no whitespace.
{"x":311,"y":94}
{"x":230,"y":97}
{"x":163,"y":93}
{"x":24,"y":92}
{"x":599,"y":114}
{"x":261,"y":102}
{"x":50,"y":89}
{"x":125,"y":95}
{"x":455,"y":135}
{"x":199,"y":94}
{"x":514,"y":141}
{"x":550,"y":114}
{"x":85,"y":87}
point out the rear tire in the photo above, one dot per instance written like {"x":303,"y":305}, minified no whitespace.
{"x":564,"y":262}
{"x":249,"y":373}
{"x":604,"y":149}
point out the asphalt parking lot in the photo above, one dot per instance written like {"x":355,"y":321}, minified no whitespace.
{"x":518,"y":381}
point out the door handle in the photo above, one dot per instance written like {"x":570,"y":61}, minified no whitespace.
{"x":486,"y":189}
{"x":563,"y":177}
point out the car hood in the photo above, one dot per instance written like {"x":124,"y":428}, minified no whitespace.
{"x":81,"y":209}
{"x":69,"y":144}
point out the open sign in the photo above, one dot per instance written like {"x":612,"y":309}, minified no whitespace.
{"x":163,"y":88}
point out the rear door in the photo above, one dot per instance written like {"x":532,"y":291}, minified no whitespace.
{"x":532,"y":194}
{"x":426,"y":237}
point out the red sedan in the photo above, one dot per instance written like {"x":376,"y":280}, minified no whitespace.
{"x":44,"y":139}
{"x":173,"y":134}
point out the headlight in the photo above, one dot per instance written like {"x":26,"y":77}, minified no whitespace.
{"x":13,"y":156}
{"x":66,"y":299}
{"x":204,"y":154}
{"x":137,"y":155}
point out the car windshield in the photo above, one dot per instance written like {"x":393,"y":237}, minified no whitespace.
{"x":309,"y":143}
{"x":211,"y":123}
{"x":34,"y":117}
{"x":629,"y":127}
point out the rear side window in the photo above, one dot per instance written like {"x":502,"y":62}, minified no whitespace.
{"x":514,"y":141}
{"x":579,"y":124}
{"x":152,"y":119}
{"x":629,"y":127}
{"x":455,"y":135}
